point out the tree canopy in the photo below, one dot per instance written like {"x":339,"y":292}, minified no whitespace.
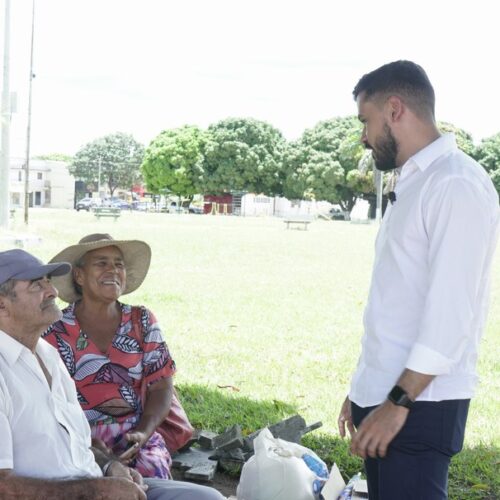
{"x":119,"y":156}
{"x":55,"y":157}
{"x":488,"y":155}
{"x":174,"y":162}
{"x":464,"y":139}
{"x":319,"y":165}
{"x":243,"y":154}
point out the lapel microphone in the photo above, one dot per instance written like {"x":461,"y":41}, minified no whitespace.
{"x":392,"y":197}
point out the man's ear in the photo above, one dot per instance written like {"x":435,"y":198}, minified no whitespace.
{"x":77,"y":275}
{"x":395,"y":108}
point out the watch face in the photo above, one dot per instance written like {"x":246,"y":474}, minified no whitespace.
{"x":397,"y":393}
{"x":399,"y":397}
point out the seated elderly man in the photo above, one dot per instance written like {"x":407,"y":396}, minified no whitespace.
{"x":45,"y":451}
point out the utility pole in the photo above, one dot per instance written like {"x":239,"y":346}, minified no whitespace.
{"x":28,"y":130}
{"x":5,"y":123}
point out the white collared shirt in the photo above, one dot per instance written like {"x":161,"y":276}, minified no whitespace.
{"x":43,"y":430}
{"x":428,"y":298}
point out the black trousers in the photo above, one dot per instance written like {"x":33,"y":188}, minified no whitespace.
{"x":417,"y":460}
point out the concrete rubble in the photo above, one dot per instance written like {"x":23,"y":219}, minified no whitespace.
{"x":230,"y":450}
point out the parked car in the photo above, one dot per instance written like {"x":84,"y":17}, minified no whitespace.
{"x":195,"y":210}
{"x":337,"y":214}
{"x":85,"y":204}
{"x":116,"y":203}
{"x":141,"y":206}
{"x":174,"y":209}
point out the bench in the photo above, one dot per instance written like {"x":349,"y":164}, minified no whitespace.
{"x":297,"y":223}
{"x":107,"y":212}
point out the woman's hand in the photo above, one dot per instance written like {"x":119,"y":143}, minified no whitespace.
{"x":136,"y":440}
{"x":101,"y":446}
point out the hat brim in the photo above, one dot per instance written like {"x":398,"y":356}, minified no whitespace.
{"x":35,"y":272}
{"x":136,"y":255}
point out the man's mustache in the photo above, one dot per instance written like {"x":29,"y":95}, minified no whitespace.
{"x":48,"y":303}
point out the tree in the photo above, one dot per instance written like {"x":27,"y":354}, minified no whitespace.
{"x":310,"y":174}
{"x":464,"y":139}
{"x":488,"y":155}
{"x":173,"y":161}
{"x":243,"y":154}
{"x":118,"y":156}
{"x":319,"y":164}
{"x":55,"y":157}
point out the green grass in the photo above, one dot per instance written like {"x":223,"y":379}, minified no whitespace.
{"x":277,"y":316}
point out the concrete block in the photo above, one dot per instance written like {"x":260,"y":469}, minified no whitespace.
{"x":206,"y":439}
{"x":290,"y":429}
{"x":202,"y":472}
{"x":190,"y":458}
{"x":230,"y":439}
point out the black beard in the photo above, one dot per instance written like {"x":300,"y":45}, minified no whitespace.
{"x":385,"y":151}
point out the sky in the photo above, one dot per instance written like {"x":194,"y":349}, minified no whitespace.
{"x":143,"y":66}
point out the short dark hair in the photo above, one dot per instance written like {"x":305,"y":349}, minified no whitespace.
{"x":404,"y":79}
{"x":80,"y":262}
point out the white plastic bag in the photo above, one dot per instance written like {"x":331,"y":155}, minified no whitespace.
{"x":281,"y":470}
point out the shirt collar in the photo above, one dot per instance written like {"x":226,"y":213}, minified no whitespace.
{"x":10,"y":348}
{"x":426,"y":156}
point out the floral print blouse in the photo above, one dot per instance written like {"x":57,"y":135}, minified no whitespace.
{"x":110,"y":385}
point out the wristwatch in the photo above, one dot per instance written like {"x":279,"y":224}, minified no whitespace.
{"x":400,"y":397}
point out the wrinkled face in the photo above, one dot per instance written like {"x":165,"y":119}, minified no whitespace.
{"x":103,"y":276}
{"x":377,"y":134}
{"x":32,"y":306}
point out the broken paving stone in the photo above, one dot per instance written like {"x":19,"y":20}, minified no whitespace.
{"x":191,"y":458}
{"x":291,"y":429}
{"x":236,"y":454}
{"x":230,"y":439}
{"x":206,"y":440}
{"x":202,"y":472}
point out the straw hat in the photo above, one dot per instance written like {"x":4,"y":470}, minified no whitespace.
{"x":136,"y":255}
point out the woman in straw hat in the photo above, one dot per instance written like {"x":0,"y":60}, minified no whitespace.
{"x":114,"y":351}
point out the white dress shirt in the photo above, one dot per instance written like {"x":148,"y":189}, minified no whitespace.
{"x":44,"y":432}
{"x":428,"y":299}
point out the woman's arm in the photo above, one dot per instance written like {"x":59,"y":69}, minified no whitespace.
{"x":158,"y":401}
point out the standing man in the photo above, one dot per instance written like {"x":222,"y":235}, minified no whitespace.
{"x":45,"y":437}
{"x":409,"y":397}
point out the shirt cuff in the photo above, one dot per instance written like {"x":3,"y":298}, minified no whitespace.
{"x":425,"y":360}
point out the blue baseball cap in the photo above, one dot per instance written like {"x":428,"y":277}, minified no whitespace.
{"x":20,"y":265}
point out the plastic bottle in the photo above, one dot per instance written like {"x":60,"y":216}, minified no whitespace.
{"x":346,"y":493}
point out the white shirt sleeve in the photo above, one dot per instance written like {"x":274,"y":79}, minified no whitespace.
{"x":458,"y":225}
{"x":6,"y":456}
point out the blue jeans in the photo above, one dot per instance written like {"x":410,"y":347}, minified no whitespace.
{"x":417,"y":460}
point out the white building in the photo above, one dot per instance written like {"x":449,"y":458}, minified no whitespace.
{"x":260,"y":205}
{"x":50,"y":184}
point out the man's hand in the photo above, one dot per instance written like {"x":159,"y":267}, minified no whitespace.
{"x":345,"y":418}
{"x":378,"y":429}
{"x":137,"y":439}
{"x":117,"y":469}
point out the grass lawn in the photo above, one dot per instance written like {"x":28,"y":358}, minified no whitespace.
{"x":265,"y":322}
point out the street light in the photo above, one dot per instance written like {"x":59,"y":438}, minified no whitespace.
{"x":28,"y":131}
